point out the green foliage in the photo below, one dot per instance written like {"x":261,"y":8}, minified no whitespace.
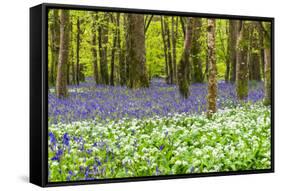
{"x":234,"y":139}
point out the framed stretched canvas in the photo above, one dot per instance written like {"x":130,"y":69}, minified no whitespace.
{"x":128,"y":94}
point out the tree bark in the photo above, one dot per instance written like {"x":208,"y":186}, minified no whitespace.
{"x":112,"y":64}
{"x":94,"y":49}
{"x":169,"y":51}
{"x":165,"y":49}
{"x":267,"y":72}
{"x":174,"y":44}
{"x":103,"y":40}
{"x":61,"y":89}
{"x":184,"y":63}
{"x":212,"y":81}
{"x":122,"y":55}
{"x":232,"y":42}
{"x":267,"y":69}
{"x":137,"y":63}
{"x":261,"y":45}
{"x":242,"y":65}
{"x":78,"y":51}
{"x":55,"y":43}
{"x":254,"y":54}
{"x":196,"y":50}
{"x":72,"y":61}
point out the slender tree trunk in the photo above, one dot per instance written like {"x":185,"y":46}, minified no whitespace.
{"x":242,"y":65}
{"x":225,"y":51}
{"x":94,"y":49}
{"x":55,"y":43}
{"x":184,"y":63}
{"x":212,"y":81}
{"x":174,"y":44}
{"x":196,"y":50}
{"x":147,"y":22}
{"x":169,"y":52}
{"x":254,"y":54}
{"x":61,"y":89}
{"x":103,"y":40}
{"x":71,"y":47}
{"x":122,"y":55}
{"x":78,"y":51}
{"x":165,"y":49}
{"x":261,"y":45}
{"x":112,"y":65}
{"x":267,"y":69}
{"x":267,"y":72}
{"x":137,"y":63}
{"x":127,"y":56}
{"x":233,"y":34}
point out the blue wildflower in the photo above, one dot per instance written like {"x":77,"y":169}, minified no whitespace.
{"x":66,"y":139}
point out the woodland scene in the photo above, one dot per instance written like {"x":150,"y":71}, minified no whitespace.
{"x":133,"y":95}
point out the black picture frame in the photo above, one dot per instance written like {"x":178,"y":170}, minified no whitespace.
{"x":39,"y":93}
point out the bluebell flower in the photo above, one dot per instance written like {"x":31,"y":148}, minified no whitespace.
{"x":52,"y":138}
{"x":66,"y":139}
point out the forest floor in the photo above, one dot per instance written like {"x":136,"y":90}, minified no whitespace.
{"x":114,"y":132}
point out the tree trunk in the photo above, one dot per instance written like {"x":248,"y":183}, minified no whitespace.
{"x":55,"y":43}
{"x":254,"y":54}
{"x":61,"y":89}
{"x":112,"y":65}
{"x":196,"y":50}
{"x":226,"y":53}
{"x":212,"y":81}
{"x":174,"y":44}
{"x":169,"y":52}
{"x":165,"y":49}
{"x":94,"y":49}
{"x":103,"y":40}
{"x":78,"y":51}
{"x":267,"y":72}
{"x":122,"y":55}
{"x":137,"y":63}
{"x":184,"y":63}
{"x":267,"y":69}
{"x":232,"y":42}
{"x":242,"y":65}
{"x":71,"y":47}
{"x":261,"y":45}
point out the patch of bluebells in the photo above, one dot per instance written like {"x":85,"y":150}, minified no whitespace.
{"x":89,"y":101}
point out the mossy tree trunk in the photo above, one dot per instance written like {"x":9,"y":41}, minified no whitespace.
{"x":55,"y":43}
{"x":184,"y":63}
{"x":174,"y":35}
{"x":261,"y":46}
{"x":94,"y":49}
{"x":61,"y":82}
{"x":212,"y":70}
{"x":254,"y":53}
{"x":122,"y":54}
{"x":114,"y":47}
{"x":136,"y":53}
{"x":196,"y":50}
{"x":103,"y":41}
{"x":242,"y":76}
{"x":232,"y":42}
{"x":267,"y":72}
{"x":78,"y":51}
{"x":267,"y":56}
{"x":169,"y":50}
{"x":165,"y":49}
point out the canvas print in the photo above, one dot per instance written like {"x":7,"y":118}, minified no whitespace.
{"x":141,"y":95}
